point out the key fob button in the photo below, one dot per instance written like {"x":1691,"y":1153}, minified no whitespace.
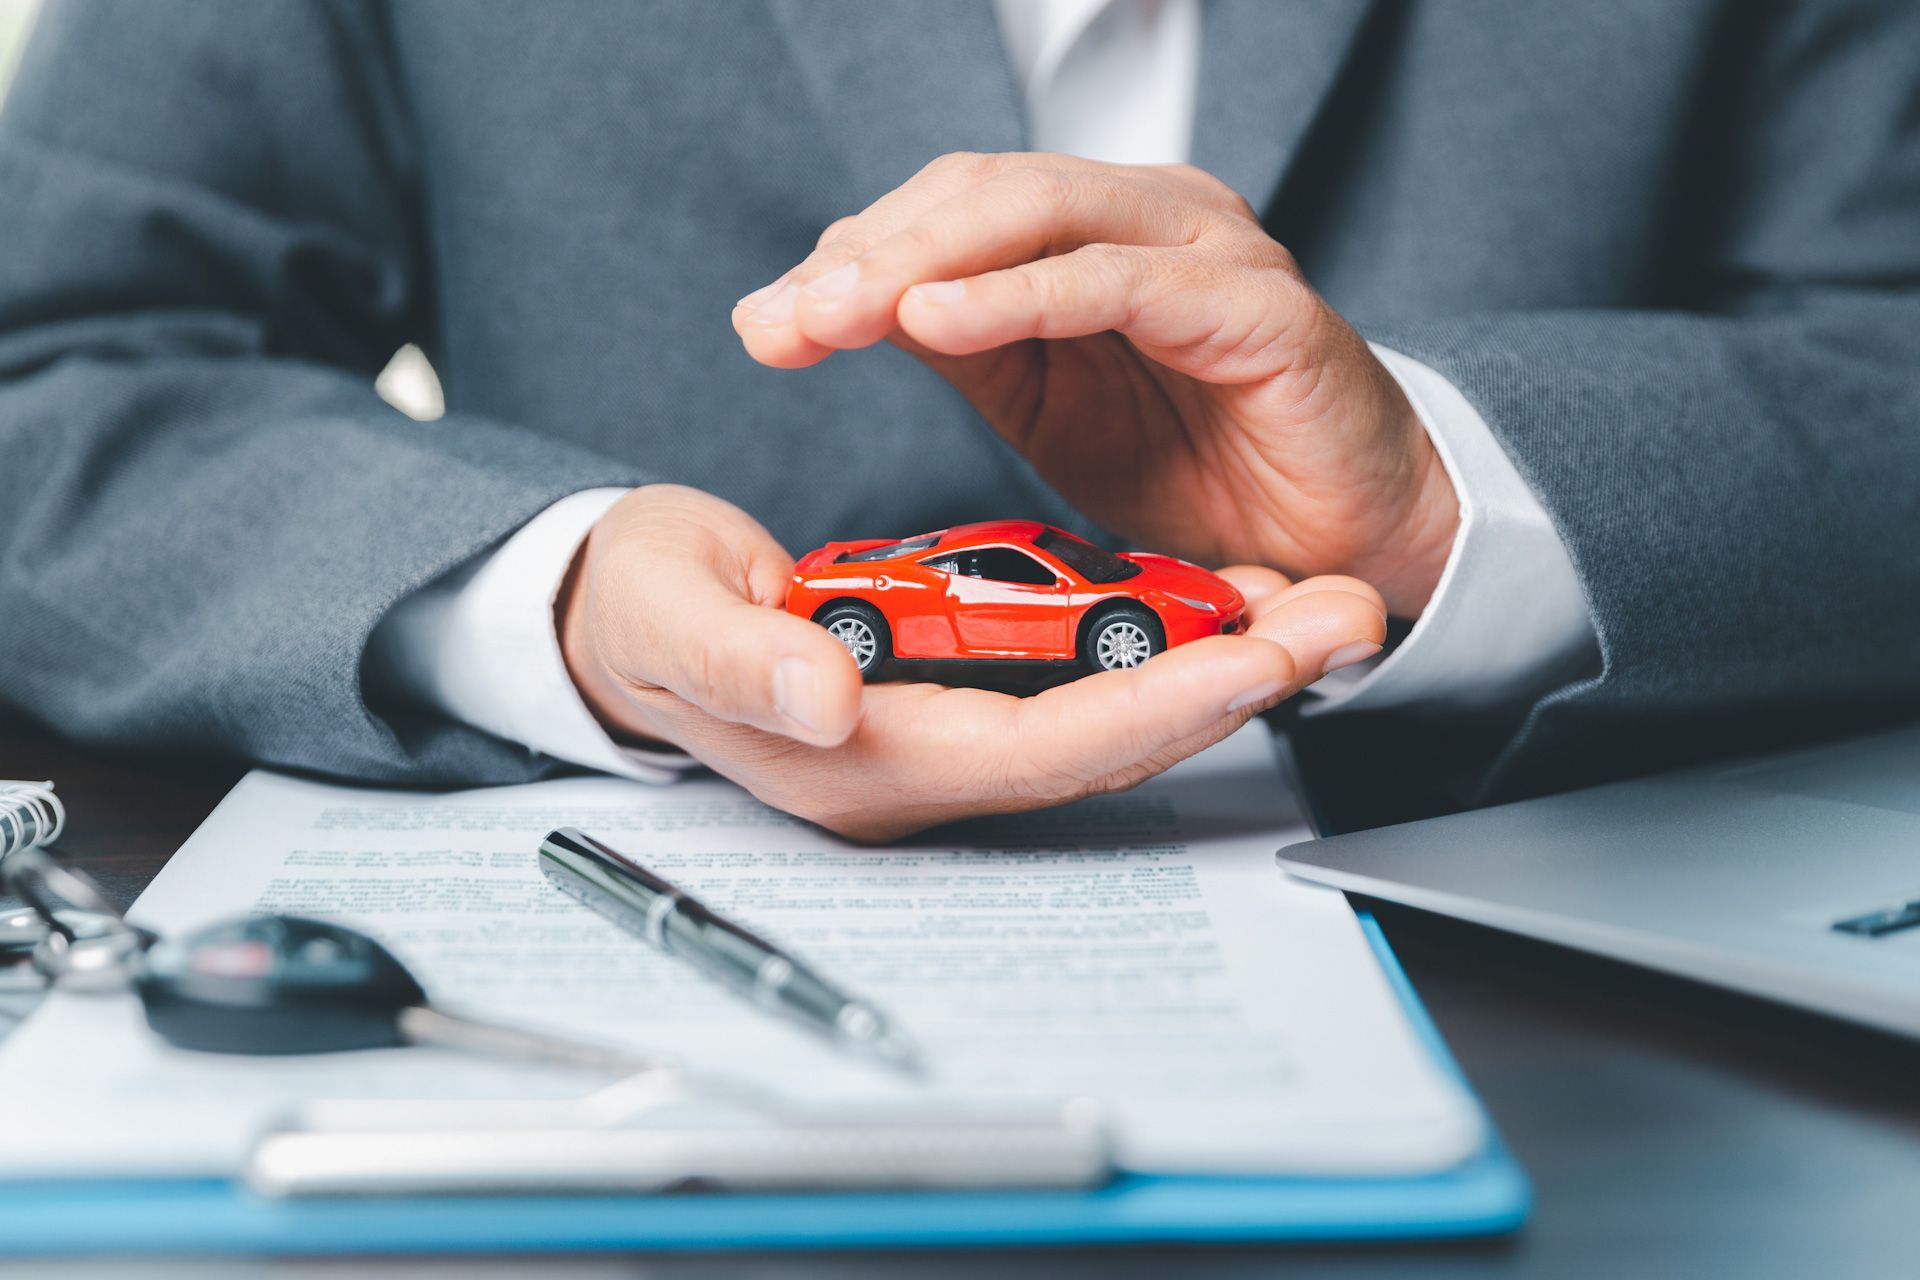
{"x":321,"y":952}
{"x":247,"y":958}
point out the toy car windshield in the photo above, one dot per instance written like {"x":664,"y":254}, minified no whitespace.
{"x":889,"y":551}
{"x":1085,"y":559}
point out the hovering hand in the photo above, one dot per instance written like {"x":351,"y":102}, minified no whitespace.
{"x":1151,"y":350}
{"x":672,"y":629}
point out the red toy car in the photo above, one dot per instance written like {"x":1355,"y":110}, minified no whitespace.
{"x":1008,"y":590}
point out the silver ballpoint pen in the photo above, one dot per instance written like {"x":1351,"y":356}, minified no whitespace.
{"x":646,"y":904}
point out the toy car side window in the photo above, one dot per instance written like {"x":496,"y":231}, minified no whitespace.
{"x":943,"y":564}
{"x":1004,"y":564}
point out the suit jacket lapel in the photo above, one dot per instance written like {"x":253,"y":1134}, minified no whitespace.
{"x":897,"y":84}
{"x":1266,"y":66}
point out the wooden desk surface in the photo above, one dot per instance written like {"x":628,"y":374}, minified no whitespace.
{"x":1670,"y":1129}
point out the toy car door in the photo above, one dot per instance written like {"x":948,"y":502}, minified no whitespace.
{"x":1006,"y":604}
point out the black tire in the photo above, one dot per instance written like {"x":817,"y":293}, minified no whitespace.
{"x":855,"y":625}
{"x":1120,"y":638}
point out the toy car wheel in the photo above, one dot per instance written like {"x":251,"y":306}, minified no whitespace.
{"x":863,"y":631}
{"x":1121,"y":639}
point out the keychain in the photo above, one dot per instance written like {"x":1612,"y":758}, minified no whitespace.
{"x":265,"y":984}
{"x":68,"y":932}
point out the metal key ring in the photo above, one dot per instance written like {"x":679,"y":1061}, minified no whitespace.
{"x":103,"y":961}
{"x":49,"y":888}
{"x":88,"y":945}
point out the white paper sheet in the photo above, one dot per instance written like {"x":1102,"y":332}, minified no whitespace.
{"x":1140,"y":949}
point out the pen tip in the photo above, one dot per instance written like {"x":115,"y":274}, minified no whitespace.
{"x":863,"y":1026}
{"x":898,"y":1052}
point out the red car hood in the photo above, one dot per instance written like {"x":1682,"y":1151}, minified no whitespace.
{"x":814,"y":561}
{"x":1177,"y":577}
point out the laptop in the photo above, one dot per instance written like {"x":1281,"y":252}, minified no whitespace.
{"x":1794,"y":877}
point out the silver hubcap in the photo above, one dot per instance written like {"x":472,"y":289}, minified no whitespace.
{"x":1122,"y":644}
{"x":859,"y":639}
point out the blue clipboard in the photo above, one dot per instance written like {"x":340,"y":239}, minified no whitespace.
{"x":1485,"y":1195}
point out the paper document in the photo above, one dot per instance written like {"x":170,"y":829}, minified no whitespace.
{"x":1141,"y":949}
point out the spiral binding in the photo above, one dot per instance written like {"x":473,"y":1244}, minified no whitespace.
{"x":30,"y":816}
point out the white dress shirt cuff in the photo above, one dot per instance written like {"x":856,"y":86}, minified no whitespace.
{"x":481,"y":646}
{"x":1508,"y":621}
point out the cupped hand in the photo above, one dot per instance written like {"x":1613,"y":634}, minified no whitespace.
{"x":672,"y":628}
{"x":1152,"y":351}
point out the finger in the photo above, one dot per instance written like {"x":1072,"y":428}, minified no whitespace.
{"x":1094,"y":732}
{"x":1325,"y":623}
{"x":780,"y":345}
{"x":970,"y":751}
{"x":1257,"y":584}
{"x":1014,"y":217}
{"x":939,"y":180}
{"x":764,"y":319}
{"x":750,"y":664}
{"x":706,"y":627}
{"x":1335,"y":582}
{"x":924,"y":754}
{"x":1194,"y":309}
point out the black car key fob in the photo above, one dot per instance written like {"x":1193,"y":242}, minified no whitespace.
{"x":276,"y":984}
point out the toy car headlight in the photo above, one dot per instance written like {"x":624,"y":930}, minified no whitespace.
{"x":1191,"y":603}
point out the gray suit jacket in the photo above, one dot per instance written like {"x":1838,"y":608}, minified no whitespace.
{"x":1669,"y":248}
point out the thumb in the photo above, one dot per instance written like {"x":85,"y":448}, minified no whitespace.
{"x":693,"y":596}
{"x":753,"y":665}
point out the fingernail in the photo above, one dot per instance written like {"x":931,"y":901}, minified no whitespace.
{"x":837,"y":283}
{"x":940,"y":292}
{"x":777,"y":309}
{"x":761,"y":294}
{"x":1259,"y":693}
{"x":796,"y":693}
{"x":1348,"y":654}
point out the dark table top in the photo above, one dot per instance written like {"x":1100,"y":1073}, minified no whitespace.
{"x":1670,"y":1129}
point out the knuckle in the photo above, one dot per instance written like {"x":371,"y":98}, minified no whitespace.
{"x":958,"y":164}
{"x":834,"y":230}
{"x":1025,"y":291}
{"x":1104,"y":255}
{"x":1278,"y":257}
{"x":1212,"y":189}
{"x":916,"y":241}
{"x":1050,"y":192}
{"x":1194,"y":176}
{"x":852,"y":242}
{"x":1308,"y":317}
{"x":1112,"y":266}
{"x":643,"y":692}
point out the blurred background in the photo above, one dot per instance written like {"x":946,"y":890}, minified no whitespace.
{"x":14,"y":17}
{"x":408,"y":383}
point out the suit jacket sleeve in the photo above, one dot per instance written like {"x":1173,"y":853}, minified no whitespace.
{"x":1736,"y":476}
{"x":212,"y":243}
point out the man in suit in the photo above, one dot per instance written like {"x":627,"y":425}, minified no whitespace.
{"x":1587,"y":336}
